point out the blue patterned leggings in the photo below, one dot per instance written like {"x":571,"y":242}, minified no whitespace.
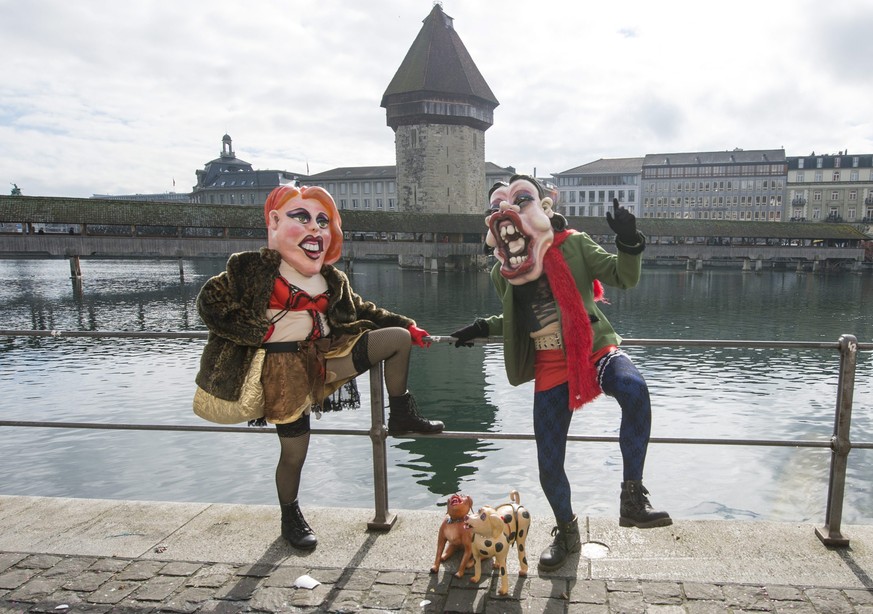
{"x":620,"y":379}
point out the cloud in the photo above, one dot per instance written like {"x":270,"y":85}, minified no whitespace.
{"x":117,"y":97}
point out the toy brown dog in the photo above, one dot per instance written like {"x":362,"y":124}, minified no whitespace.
{"x":494,"y":531}
{"x":456,"y":533}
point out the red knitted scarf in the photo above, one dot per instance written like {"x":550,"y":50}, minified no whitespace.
{"x":576,"y":327}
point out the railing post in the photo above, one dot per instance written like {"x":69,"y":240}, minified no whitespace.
{"x":841,"y":445}
{"x":383,"y":520}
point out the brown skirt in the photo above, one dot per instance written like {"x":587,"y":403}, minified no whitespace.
{"x":294,"y":381}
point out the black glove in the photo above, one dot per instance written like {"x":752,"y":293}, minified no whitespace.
{"x":623,"y":223}
{"x":464,"y":336}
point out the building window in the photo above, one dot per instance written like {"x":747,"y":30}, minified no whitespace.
{"x":390,"y":188}
{"x":818,"y":162}
{"x":800,"y":163}
{"x":378,"y":187}
{"x":379,"y":203}
{"x":853,"y":176}
{"x":366,"y":185}
{"x":391,"y":203}
{"x":853,"y":195}
{"x":354,"y":203}
{"x":835,"y":195}
{"x":818,"y":177}
{"x":836,"y":175}
{"x":816,"y":196}
{"x":367,"y":203}
{"x":800,"y":176}
{"x":344,"y":188}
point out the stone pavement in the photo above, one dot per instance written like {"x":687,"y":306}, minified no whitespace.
{"x":72,"y":555}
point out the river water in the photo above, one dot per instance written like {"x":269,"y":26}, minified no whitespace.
{"x":697,"y":393}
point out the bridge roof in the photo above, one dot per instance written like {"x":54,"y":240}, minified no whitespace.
{"x":52,"y":210}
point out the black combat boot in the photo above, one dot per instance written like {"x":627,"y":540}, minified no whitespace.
{"x":404,"y":417}
{"x":636,"y":511}
{"x":295,"y":529}
{"x":566,"y":542}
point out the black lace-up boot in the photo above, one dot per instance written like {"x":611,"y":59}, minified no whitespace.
{"x":566,"y":542}
{"x":295,"y":528}
{"x":404,"y":417}
{"x":636,"y":511}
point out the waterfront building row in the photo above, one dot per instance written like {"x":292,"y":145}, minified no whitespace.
{"x":742,"y":185}
{"x":753,"y":185}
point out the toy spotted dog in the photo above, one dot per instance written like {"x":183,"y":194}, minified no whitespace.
{"x":494,"y":532}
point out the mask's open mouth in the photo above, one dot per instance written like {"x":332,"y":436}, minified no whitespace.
{"x":513,"y":244}
{"x":312,"y":247}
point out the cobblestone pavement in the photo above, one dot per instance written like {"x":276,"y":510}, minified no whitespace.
{"x":68,"y":584}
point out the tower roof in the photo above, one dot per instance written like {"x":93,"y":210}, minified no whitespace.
{"x":437,"y":63}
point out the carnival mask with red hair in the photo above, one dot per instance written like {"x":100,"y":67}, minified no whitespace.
{"x":304,"y":226}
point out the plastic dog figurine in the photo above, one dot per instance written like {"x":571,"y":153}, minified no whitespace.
{"x":456,"y":533}
{"x":494,"y":531}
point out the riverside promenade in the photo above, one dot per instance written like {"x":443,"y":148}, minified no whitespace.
{"x":105,"y":556}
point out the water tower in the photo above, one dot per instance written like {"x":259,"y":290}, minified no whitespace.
{"x":439,"y":106}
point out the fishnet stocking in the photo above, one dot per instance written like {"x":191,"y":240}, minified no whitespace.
{"x":291,"y":459}
{"x":391,"y":345}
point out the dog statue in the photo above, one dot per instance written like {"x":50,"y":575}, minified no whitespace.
{"x":494,"y":532}
{"x":455,"y":533}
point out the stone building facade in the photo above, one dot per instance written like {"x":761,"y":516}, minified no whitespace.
{"x":374,"y":188}
{"x":740,"y":184}
{"x":831,"y":187}
{"x":588,"y":190}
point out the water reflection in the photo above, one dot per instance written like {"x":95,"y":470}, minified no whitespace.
{"x":696,"y":392}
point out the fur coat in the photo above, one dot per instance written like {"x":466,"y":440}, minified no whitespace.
{"x":233,"y":305}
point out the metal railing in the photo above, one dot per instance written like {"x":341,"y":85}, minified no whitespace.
{"x":840,"y":442}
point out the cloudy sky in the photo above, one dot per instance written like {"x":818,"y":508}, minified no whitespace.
{"x":118,"y":96}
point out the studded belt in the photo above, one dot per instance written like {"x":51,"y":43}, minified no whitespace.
{"x":549,"y":342}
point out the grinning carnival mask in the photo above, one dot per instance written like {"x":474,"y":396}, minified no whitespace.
{"x":520,"y":228}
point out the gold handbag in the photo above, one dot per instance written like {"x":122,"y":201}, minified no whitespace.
{"x":249,"y":406}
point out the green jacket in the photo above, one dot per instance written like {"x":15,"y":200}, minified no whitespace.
{"x":587,"y":261}
{"x":233,"y":305}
